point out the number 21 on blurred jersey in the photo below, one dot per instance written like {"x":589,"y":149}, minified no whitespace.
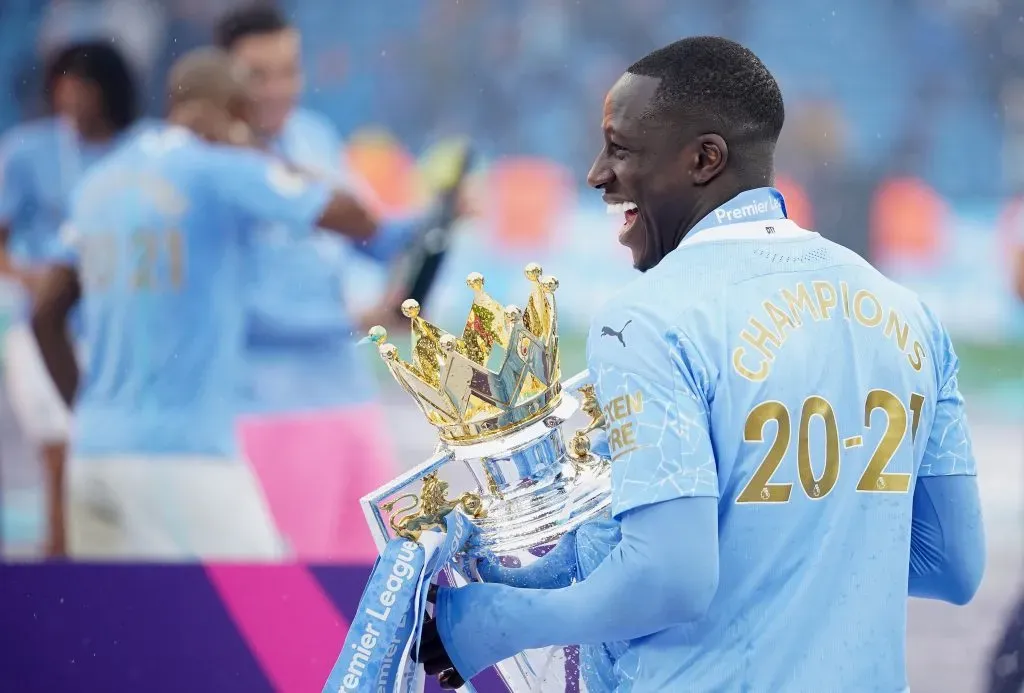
{"x":143,"y":260}
{"x":144,"y":250}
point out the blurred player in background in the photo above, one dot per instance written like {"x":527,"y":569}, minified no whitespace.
{"x":313,"y":431}
{"x":91,"y":93}
{"x":154,"y":253}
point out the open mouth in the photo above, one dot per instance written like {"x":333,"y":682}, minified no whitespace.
{"x":629,"y":211}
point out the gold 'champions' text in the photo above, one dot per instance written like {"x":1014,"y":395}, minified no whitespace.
{"x":764,"y":335}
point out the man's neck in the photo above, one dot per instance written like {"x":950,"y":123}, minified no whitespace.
{"x":267,"y":139}
{"x":714,"y":196}
{"x":99,"y":133}
{"x":708,"y":202}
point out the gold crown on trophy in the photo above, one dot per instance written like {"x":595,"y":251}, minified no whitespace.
{"x":501,"y":375}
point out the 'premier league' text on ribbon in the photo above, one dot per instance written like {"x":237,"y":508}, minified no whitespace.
{"x":401,"y":571}
{"x":380,"y":622}
{"x":375,"y":656}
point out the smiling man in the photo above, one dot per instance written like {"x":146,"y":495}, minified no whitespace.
{"x":790,"y":458}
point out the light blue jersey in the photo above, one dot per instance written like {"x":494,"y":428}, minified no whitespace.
{"x":157,"y":231}
{"x":299,"y":336}
{"x":778,"y":372}
{"x":40,"y":163}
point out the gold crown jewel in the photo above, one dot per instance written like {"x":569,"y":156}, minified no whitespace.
{"x":501,"y":375}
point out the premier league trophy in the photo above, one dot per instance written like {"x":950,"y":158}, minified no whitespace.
{"x":500,"y":408}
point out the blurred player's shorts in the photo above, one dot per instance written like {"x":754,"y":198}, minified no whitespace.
{"x":21,"y":470}
{"x":314,"y":468}
{"x":37,"y":405}
{"x":167,"y":509}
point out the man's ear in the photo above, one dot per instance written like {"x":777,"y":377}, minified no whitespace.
{"x":709,"y":156}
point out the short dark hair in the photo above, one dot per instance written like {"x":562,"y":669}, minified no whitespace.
{"x":252,"y":20}
{"x":716,"y":79}
{"x":102,"y":64}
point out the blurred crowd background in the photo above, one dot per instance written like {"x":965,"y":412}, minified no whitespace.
{"x":904,"y":141}
{"x":905,"y":118}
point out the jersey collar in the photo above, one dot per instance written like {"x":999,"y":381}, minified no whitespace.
{"x":753,"y":214}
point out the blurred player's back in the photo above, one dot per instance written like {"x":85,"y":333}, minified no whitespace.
{"x":152,"y":252}
{"x":823,"y":374}
{"x":159,"y":268}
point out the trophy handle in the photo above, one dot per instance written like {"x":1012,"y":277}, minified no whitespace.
{"x":575,"y":383}
{"x":429,"y":508}
{"x":579,"y":445}
{"x":405,"y":512}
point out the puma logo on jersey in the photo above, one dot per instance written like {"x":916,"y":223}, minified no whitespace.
{"x":609,"y":332}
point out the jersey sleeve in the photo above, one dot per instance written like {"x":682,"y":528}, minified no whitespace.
{"x":65,"y":250}
{"x":654,"y":391}
{"x":66,"y":247}
{"x":262,"y":188}
{"x":948,"y":451}
{"x":947,"y":539}
{"x":13,"y":179}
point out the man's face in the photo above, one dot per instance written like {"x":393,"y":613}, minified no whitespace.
{"x":224,"y":118}
{"x":80,"y":102}
{"x":275,"y":68}
{"x":640,"y":169}
{"x":241,"y":113}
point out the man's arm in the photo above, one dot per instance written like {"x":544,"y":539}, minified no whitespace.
{"x":8,"y":267}
{"x":56,"y":293}
{"x":556,"y":568}
{"x":346,"y":215}
{"x":449,"y":167}
{"x":6,"y":264}
{"x":264,"y":188}
{"x":390,"y":237}
{"x":947,"y":542}
{"x":646,"y":585}
{"x":13,"y":195}
{"x":393,"y":236}
{"x":59,"y":291}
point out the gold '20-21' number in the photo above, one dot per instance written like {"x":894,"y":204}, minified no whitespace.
{"x":761,"y":489}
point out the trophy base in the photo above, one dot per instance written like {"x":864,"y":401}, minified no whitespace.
{"x":519,"y":531}
{"x":548,"y":670}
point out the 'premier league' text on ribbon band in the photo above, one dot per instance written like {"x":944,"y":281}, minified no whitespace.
{"x":375,"y":634}
{"x":375,"y":656}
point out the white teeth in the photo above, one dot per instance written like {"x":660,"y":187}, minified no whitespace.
{"x":622,"y":207}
